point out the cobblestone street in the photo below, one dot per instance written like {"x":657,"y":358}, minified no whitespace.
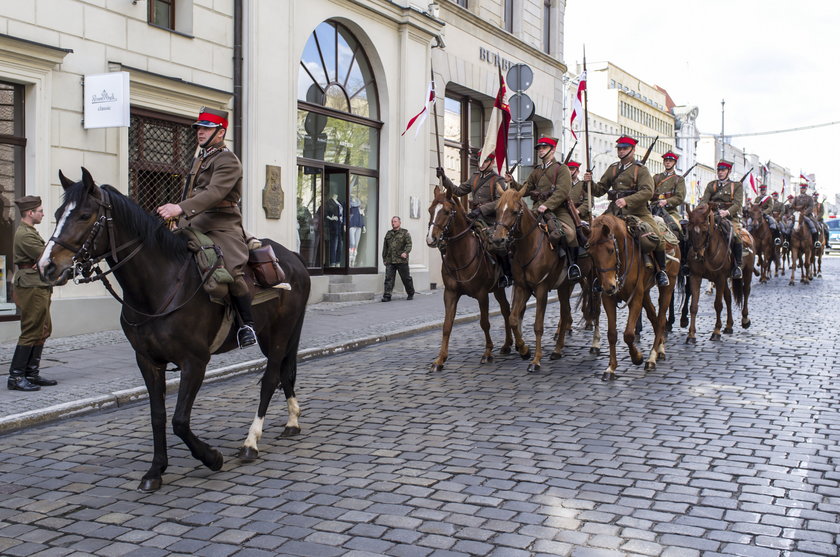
{"x":727,"y":448}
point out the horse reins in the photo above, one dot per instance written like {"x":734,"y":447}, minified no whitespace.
{"x":444,"y":242}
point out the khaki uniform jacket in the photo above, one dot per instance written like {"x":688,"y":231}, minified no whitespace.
{"x":803,"y":202}
{"x":819,"y":210}
{"x":211,"y":206}
{"x":28,"y":246}
{"x":728,"y":194}
{"x":484,"y":188}
{"x":671,"y":187}
{"x":636,"y":178}
{"x":396,"y":242}
{"x":580,"y":197}
{"x":778,"y":207}
{"x":555,"y":181}
{"x":766,"y":204}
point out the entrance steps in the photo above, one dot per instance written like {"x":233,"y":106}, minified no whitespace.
{"x":342,"y":289}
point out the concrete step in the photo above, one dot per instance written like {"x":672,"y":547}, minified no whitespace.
{"x":336,"y":287}
{"x":348,"y":296}
{"x":340,"y":279}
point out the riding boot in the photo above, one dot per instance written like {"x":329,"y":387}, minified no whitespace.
{"x":17,"y":371}
{"x":816,"y":238}
{"x":507,"y":275}
{"x":738,"y":254}
{"x":573,"y":272}
{"x":246,"y":335}
{"x":776,"y":239}
{"x":661,"y":275}
{"x":685,"y":270}
{"x":33,"y":369}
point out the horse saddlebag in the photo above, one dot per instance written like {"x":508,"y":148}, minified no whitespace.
{"x":266,"y":267}
{"x":647,"y":237}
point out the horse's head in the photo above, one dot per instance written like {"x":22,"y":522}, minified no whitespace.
{"x":509,"y":211}
{"x":754,"y":216}
{"x":79,"y":235}
{"x":442,"y":214}
{"x":603,"y":250}
{"x":700,"y":224}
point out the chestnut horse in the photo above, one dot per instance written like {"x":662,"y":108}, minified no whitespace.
{"x":467,"y":269}
{"x":620,"y":266}
{"x":709,"y":257}
{"x":765,"y":250}
{"x":801,"y":249}
{"x":167,"y":316}
{"x":536,"y":269}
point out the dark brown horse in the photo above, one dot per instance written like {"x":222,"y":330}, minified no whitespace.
{"x":709,"y":257}
{"x":620,"y":266}
{"x":801,"y":249}
{"x":536,"y":269}
{"x":765,"y":250}
{"x":468,"y":269}
{"x":166,"y":314}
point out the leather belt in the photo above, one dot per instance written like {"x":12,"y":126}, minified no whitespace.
{"x":25,"y":267}
{"x":226,"y":205}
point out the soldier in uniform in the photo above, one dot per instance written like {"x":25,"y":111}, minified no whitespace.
{"x":729,"y":196}
{"x":669,"y":194}
{"x":579,"y":193}
{"x":395,"y":252}
{"x":778,"y":206}
{"x":630,"y":187}
{"x":32,"y":296}
{"x":805,"y":203}
{"x":210,"y":204}
{"x":819,"y":215}
{"x":549,"y":185}
{"x":484,"y":187}
{"x":767,"y":205}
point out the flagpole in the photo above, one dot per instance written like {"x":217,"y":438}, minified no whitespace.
{"x":586,"y":131}
{"x":501,"y":79}
{"x":434,"y":109}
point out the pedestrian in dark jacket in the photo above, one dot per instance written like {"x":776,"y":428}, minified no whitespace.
{"x":395,"y":252}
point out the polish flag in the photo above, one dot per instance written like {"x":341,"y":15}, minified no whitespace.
{"x":421,"y":116}
{"x":497,"y":127}
{"x":752,"y":184}
{"x":577,"y":103}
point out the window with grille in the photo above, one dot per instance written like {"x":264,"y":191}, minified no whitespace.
{"x":12,"y":146}
{"x":161,"y":149}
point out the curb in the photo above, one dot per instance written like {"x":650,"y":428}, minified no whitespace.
{"x":16,"y":422}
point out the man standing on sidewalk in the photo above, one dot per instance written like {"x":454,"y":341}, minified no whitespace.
{"x":395,"y":256}
{"x":32,"y":296}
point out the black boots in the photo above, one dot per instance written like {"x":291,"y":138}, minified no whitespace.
{"x":661,"y":275}
{"x":246,"y":336}
{"x":738,"y":254}
{"x":33,"y":369}
{"x":574,"y":271}
{"x":17,"y":372}
{"x":506,"y":279}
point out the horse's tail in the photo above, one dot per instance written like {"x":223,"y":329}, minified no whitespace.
{"x":589,"y":302}
{"x":738,"y":291}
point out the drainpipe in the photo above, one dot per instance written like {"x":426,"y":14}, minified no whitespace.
{"x":237,"y":78}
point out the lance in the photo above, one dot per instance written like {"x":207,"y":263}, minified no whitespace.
{"x":744,"y":177}
{"x":586,"y":131}
{"x":434,"y":109}
{"x":649,"y":149}
{"x":569,"y":154}
{"x":690,"y":168}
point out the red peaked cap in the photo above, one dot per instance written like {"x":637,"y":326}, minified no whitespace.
{"x":573,"y":164}
{"x":762,"y":186}
{"x":670,"y":155}
{"x":625,"y":141}
{"x":775,"y":193}
{"x":491,"y":156}
{"x":724,"y":164}
{"x":211,"y":118}
{"x":549,"y":141}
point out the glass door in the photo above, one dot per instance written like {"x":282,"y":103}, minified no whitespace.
{"x":335,"y":218}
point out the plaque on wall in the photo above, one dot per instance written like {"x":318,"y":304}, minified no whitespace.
{"x":272,"y":195}
{"x":414,"y":207}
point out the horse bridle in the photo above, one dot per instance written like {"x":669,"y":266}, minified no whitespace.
{"x":620,"y":277}
{"x":444,"y":240}
{"x":701,"y":255}
{"x":517,"y":226}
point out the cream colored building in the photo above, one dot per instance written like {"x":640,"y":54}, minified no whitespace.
{"x":319,"y":93}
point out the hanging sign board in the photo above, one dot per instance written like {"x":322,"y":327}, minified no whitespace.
{"x":107,"y":100}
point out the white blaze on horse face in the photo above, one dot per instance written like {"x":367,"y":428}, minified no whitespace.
{"x":429,"y":236}
{"x":45,"y":256}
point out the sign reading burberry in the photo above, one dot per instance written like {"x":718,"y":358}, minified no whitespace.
{"x":107,"y":100}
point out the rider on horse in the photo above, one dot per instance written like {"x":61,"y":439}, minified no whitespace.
{"x":210,"y":204}
{"x":578,"y":194}
{"x":484,"y":187}
{"x":819,"y":215}
{"x":630,"y":188}
{"x":729,"y":197}
{"x":768,"y":205}
{"x":805,"y":203}
{"x":549,"y":186}
{"x":669,"y":194}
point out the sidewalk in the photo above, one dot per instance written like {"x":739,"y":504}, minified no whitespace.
{"x":98,"y":370}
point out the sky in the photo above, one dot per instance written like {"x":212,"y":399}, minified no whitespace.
{"x":776,"y":64}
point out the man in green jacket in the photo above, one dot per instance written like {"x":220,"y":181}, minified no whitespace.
{"x":32,"y":296}
{"x":395,"y":252}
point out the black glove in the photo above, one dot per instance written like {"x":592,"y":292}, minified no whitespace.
{"x":440,"y":173}
{"x":474,"y":214}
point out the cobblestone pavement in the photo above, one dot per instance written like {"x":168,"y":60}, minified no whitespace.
{"x":728,"y":448}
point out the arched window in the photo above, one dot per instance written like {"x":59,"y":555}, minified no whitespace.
{"x":338,"y":153}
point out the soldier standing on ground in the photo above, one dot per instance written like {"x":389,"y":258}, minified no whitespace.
{"x":32,"y":296}
{"x":395,"y":252}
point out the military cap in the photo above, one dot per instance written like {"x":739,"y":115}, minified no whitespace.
{"x":762,"y":186}
{"x":490,"y":156}
{"x":625,"y":141}
{"x":724,"y":164}
{"x":670,"y":155}
{"x":775,"y":194}
{"x":803,"y":186}
{"x":573,"y":164}
{"x":28,"y":203}
{"x":211,"y":118}
{"x":547,"y":141}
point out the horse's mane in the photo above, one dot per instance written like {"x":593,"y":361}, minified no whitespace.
{"x":147,"y":228}
{"x":614,"y":223}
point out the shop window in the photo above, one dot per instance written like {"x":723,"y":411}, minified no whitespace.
{"x":463,"y":135}
{"x":12,"y":146}
{"x":337,"y":190}
{"x":161,"y":149}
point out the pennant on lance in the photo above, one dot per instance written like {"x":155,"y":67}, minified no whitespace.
{"x":497,"y":127}
{"x":577,"y":103}
{"x":421,"y":116}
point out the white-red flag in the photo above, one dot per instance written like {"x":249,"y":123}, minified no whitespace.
{"x":577,"y":104}
{"x":752,"y":184}
{"x":497,"y":127}
{"x":421,"y":116}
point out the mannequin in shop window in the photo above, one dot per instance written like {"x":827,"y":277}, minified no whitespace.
{"x":357,"y":227}
{"x":335,"y":227}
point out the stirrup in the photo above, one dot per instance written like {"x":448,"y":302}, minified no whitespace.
{"x":573,"y":272}
{"x":817,"y":244}
{"x":785,"y":244}
{"x":662,"y":278}
{"x":596,"y":285}
{"x":777,"y":242}
{"x":246,"y":336}
{"x":737,"y":273}
{"x":505,"y":281}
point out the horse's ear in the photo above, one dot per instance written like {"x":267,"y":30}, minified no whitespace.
{"x":65,"y":181}
{"x":87,"y":179}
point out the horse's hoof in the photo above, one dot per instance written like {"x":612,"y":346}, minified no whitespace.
{"x":555,"y":337}
{"x":668,"y":327}
{"x":588,"y":327}
{"x":486,"y":359}
{"x":505,"y":350}
{"x":649,"y":366}
{"x":436,"y":367}
{"x":637,"y":361}
{"x":691,"y":340}
{"x":715,"y":336}
{"x":727,"y":331}
{"x":555,"y":356}
{"x":215,"y":461}
{"x":605,"y":376}
{"x":745,"y":323}
{"x":594,"y":350}
{"x":289,"y":431}
{"x":248,"y":454}
{"x":533,"y":368}
{"x":149,"y":485}
{"x":792,"y":283}
{"x":684,"y":323}
{"x":526,"y":355}
{"x":613,"y":377}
